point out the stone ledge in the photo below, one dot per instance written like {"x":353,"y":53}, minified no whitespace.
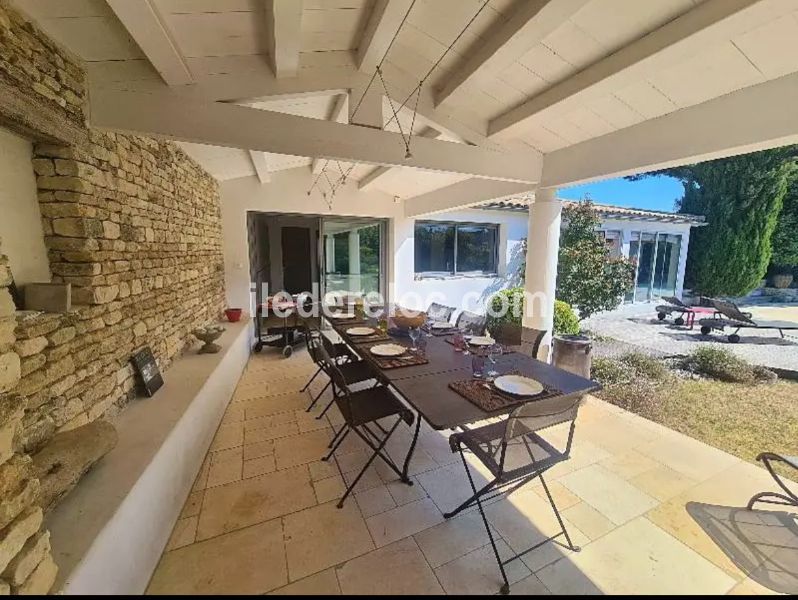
{"x":137,"y":491}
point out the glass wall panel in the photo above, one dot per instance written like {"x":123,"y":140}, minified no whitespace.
{"x":667,"y":264}
{"x":352,"y":256}
{"x":645,"y":267}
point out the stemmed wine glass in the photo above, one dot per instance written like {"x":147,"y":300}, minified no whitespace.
{"x":414,"y":334}
{"x":494,"y":352}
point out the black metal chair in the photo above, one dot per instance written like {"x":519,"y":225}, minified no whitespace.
{"x":515,"y":454}
{"x":438,"y":313}
{"x":531,"y":340}
{"x":362,"y":412}
{"x":472,"y":323}
{"x":788,"y":498}
{"x":526,"y":339}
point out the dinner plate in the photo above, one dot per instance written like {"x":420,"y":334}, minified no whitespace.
{"x":388,"y":350}
{"x":481,"y":341}
{"x":342,"y":316}
{"x":442,"y":325}
{"x":518,"y":385}
{"x":360,"y":331}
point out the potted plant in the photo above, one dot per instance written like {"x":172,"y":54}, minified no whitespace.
{"x":783,"y":277}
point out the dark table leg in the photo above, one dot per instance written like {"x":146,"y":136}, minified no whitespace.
{"x":405,"y":478}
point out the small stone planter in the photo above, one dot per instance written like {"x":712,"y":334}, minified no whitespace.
{"x":782,"y":281}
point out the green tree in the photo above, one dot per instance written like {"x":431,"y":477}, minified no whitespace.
{"x":785,"y":238}
{"x":741,"y":198}
{"x":588,"y":277}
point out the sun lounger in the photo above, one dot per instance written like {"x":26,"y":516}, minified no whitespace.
{"x":686,"y":312}
{"x":729,"y":315}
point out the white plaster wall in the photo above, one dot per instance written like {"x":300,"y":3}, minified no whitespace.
{"x":21,"y":235}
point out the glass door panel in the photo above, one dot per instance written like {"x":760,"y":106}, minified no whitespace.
{"x":353,"y":257}
{"x":667,"y":264}
{"x":645,"y":267}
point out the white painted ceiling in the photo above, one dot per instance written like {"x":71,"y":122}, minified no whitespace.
{"x":223,"y":36}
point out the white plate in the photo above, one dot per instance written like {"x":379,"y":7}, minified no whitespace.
{"x":388,"y":350}
{"x":442,"y":325}
{"x":481,"y":341}
{"x":342,"y":316}
{"x":518,"y":385}
{"x":360,"y":331}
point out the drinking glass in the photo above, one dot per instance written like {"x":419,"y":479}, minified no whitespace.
{"x":458,"y":341}
{"x":494,"y":352}
{"x":414,"y":333}
{"x":477,"y":365}
{"x":422,"y":345}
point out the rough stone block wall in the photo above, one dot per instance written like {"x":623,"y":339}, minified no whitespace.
{"x":134,"y":225}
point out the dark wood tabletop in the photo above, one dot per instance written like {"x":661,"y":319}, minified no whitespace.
{"x":426,"y":387}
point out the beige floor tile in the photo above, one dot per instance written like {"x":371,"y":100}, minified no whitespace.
{"x":329,"y":489}
{"x":301,"y":449}
{"x":226,"y":455}
{"x":376,"y":573}
{"x":270,"y":388}
{"x":629,"y":464}
{"x":225,"y":471}
{"x":193,"y":503}
{"x":258,"y":450}
{"x":688,"y":456}
{"x":531,"y":586}
{"x":637,"y":558}
{"x":589,"y":521}
{"x":320,"y":584}
{"x":324,"y":536}
{"x":184,"y":533}
{"x":201,"y":482}
{"x":563,"y":497}
{"x":749,"y":587}
{"x":448,"y":486}
{"x":285,"y":418}
{"x":323,"y":470}
{"x":263,"y":407}
{"x":375,"y":501}
{"x":233,"y":414}
{"x":403,"y":521}
{"x":255,"y":500}
{"x":613,"y":497}
{"x":308,"y":422}
{"x":250,"y":561}
{"x":614,"y":434}
{"x":272,"y":432}
{"x":547,"y":554}
{"x":663,"y":483}
{"x":258,"y":466}
{"x":369,"y":481}
{"x":405,"y":494}
{"x":477,"y":573}
{"x":524,"y":520}
{"x":452,"y":539}
{"x":228,"y":436}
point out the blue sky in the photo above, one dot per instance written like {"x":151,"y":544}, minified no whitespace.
{"x":654,"y":193}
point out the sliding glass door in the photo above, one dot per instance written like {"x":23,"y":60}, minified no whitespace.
{"x":656,"y":256}
{"x":353,"y":256}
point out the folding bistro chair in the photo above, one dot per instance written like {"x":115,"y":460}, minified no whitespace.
{"x":362,"y":412}
{"x":525,"y":339}
{"x":438,"y":313}
{"x":788,"y":497}
{"x":515,"y":454}
{"x":472,"y":323}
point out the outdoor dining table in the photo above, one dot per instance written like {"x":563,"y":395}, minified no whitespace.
{"x":425,"y":388}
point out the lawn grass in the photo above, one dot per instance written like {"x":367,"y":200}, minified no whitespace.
{"x":743,"y":420}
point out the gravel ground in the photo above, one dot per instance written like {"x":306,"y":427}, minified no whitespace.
{"x":635,"y":327}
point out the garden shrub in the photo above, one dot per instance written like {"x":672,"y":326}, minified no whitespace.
{"x":630,"y":382}
{"x":645,"y":365}
{"x":565,"y":320}
{"x":721,"y":364}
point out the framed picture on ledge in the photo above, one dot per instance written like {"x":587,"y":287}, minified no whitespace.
{"x":147,"y":369}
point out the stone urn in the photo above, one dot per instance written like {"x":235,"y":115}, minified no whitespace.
{"x":783,"y":280}
{"x":209,"y":335}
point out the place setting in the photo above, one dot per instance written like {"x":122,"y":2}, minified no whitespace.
{"x":492,"y":394}
{"x":365,"y":334}
{"x":394,"y":356}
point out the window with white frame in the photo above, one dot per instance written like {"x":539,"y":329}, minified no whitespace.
{"x":445,"y":248}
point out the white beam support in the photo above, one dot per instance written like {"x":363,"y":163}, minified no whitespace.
{"x":529,"y":25}
{"x":755,"y":118}
{"x":386,"y":18}
{"x":709,"y":24}
{"x":339,"y":114}
{"x":463,"y":194}
{"x":368,"y":182}
{"x":284,"y":29}
{"x":229,"y":125}
{"x":147,"y":28}
{"x":261,"y":163}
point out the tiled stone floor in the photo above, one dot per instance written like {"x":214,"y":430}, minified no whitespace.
{"x":637,"y":497}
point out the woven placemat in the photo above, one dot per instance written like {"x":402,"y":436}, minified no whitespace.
{"x":397,"y":362}
{"x":488,"y":398}
{"x":353,"y":322}
{"x":475,"y":349}
{"x":378,"y":336}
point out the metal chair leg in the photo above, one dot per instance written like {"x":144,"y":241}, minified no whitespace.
{"x":505,"y":589}
{"x":337,"y":445}
{"x":307,"y":385}
{"x":318,"y":397}
{"x":559,"y":518}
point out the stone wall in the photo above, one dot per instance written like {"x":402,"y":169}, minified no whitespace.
{"x":133,"y":224}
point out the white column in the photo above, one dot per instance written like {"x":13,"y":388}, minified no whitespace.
{"x":354,"y":261}
{"x":329,"y":253}
{"x":543,"y":247}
